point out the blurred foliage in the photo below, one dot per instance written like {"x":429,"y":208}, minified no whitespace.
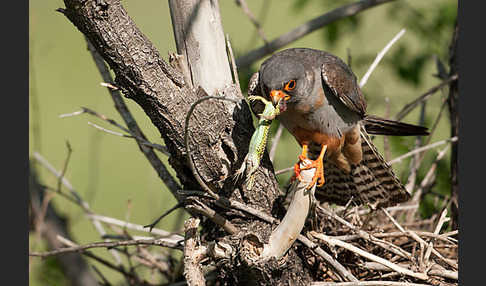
{"x":343,"y":26}
{"x":433,"y":27}
{"x":50,"y":272}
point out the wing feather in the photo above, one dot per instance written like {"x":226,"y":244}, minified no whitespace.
{"x":341,"y":81}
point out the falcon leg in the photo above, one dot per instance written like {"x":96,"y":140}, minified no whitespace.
{"x":318,"y":164}
{"x":302,"y":157}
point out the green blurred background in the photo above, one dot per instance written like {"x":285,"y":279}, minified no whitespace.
{"x":112,"y":174}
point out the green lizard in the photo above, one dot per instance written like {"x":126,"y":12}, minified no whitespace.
{"x":258,"y":142}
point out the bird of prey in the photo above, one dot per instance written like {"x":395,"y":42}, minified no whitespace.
{"x":322,"y":106}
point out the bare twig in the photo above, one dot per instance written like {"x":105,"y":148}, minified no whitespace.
{"x":113,"y":221}
{"x":343,"y":272}
{"x":141,"y":140}
{"x":228,"y":203}
{"x":350,"y":247}
{"x":436,"y":270}
{"x":368,"y":283}
{"x":275,"y":141}
{"x":283,"y":171}
{"x":429,"y":177}
{"x":87,"y":253}
{"x":386,"y":140}
{"x":378,"y":58}
{"x":419,"y":240}
{"x":444,"y":237}
{"x":76,"y":199}
{"x":310,"y":26}
{"x":265,"y":217}
{"x":132,"y":125}
{"x":442,"y":219}
{"x":64,"y":168}
{"x":152,"y":225}
{"x":421,"y":149}
{"x":249,"y":14}
{"x":248,"y":209}
{"x":108,"y":130}
{"x":109,"y":244}
{"x":410,"y":106}
{"x":48,"y":223}
{"x":416,"y":160}
{"x":98,"y":272}
{"x":435,"y":124}
{"x":203,"y":209}
{"x":234,"y":70}
{"x":367,"y":236}
{"x":109,"y":85}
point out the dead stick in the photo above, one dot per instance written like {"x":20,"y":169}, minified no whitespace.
{"x":109,"y":244}
{"x":368,"y":283}
{"x":306,"y":28}
{"x":360,"y":252}
{"x":343,"y":272}
{"x":192,"y":255}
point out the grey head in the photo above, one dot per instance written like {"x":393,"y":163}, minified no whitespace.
{"x":286,"y":73}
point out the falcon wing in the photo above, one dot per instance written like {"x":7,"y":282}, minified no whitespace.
{"x":341,"y":81}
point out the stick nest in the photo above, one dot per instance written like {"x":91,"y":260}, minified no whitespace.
{"x":368,"y":242}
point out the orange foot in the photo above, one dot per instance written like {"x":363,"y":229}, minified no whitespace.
{"x":318,"y":164}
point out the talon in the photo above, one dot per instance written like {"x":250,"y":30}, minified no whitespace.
{"x":296,"y":173}
{"x":318,"y":164}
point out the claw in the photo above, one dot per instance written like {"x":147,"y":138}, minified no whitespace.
{"x":319,"y":175}
{"x":318,"y":164}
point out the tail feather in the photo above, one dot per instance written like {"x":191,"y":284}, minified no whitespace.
{"x":371,"y":181}
{"x":380,"y":126}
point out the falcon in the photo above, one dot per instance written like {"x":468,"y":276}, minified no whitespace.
{"x":322,"y":106}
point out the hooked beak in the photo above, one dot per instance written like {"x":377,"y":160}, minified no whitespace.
{"x":278,"y":98}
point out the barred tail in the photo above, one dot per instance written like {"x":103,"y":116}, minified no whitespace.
{"x":371,"y":181}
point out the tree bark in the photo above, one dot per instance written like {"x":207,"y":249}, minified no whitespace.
{"x":220,"y":131}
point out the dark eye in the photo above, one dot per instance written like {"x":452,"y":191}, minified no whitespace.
{"x":290,"y":85}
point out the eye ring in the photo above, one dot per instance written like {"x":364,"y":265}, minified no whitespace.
{"x":290,"y":85}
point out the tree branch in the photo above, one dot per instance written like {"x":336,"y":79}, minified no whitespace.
{"x":110,"y":244}
{"x":308,"y":27}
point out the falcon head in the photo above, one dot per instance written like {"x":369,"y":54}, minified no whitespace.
{"x":284,"y":80}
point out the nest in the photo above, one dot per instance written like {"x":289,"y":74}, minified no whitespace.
{"x":392,"y":246}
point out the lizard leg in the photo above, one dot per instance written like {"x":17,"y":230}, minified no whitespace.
{"x":261,"y":98}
